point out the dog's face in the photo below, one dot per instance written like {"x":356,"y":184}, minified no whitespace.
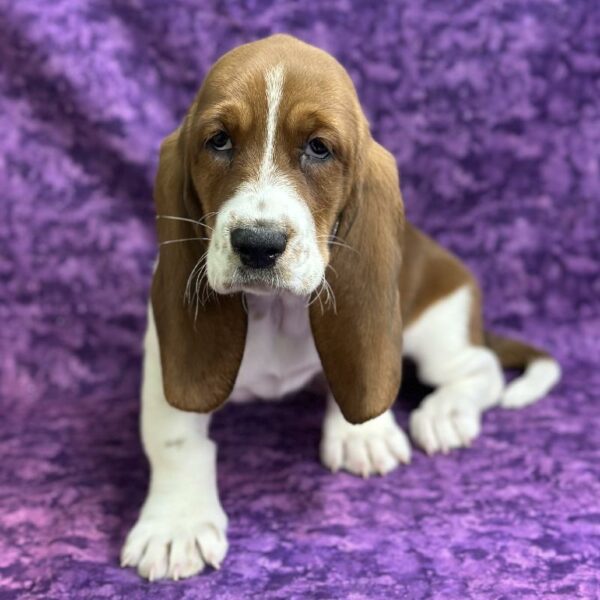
{"x":275,"y":156}
{"x":273,"y":142}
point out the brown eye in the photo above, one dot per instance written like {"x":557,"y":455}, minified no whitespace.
{"x":220,"y":142}
{"x":317,"y":149}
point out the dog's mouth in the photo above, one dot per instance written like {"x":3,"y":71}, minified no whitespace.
{"x":260,"y":281}
{"x":263,"y":281}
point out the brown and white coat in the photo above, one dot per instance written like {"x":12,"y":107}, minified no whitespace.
{"x":285,"y":255}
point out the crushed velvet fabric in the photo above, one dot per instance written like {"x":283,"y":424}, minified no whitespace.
{"x":492,"y":111}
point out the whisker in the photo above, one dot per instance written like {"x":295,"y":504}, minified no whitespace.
{"x":195,"y":274}
{"x":332,"y":236}
{"x":330,"y":296}
{"x":209,"y":214}
{"x":187,"y":220}
{"x":172,"y":218}
{"x":342,"y":245}
{"x":319,"y":291}
{"x":207,"y":292}
{"x":201,"y":284}
{"x":188,"y":296}
{"x":202,"y":287}
{"x":325,"y":287}
{"x":336,"y":243}
{"x":195,"y":239}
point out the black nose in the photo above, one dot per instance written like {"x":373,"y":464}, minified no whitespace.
{"x":259,"y":247}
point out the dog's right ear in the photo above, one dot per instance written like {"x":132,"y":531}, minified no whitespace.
{"x":201,"y":335}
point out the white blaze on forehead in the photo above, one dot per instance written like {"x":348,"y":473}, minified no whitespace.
{"x":268,"y":196}
{"x":274,"y":81}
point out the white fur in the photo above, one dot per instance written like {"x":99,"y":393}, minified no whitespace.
{"x":181,"y":526}
{"x":280,"y":355}
{"x":468,"y":378}
{"x":269,"y":198}
{"x":274,"y":80}
{"x":375,"y":447}
{"x":539,"y":378}
{"x":301,"y":267}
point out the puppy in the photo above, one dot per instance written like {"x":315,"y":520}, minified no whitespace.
{"x":284,"y":253}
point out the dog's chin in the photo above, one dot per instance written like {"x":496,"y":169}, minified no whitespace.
{"x":261,"y":282}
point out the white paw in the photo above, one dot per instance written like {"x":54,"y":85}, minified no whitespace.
{"x":167,"y":543}
{"x":374,"y":447}
{"x":443,"y":423}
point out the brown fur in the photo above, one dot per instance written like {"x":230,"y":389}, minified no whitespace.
{"x":361,"y":346}
{"x":200,"y":357}
{"x":512,"y":353}
{"x":430,"y":273}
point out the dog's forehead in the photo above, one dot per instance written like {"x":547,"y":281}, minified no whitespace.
{"x":308,"y":75}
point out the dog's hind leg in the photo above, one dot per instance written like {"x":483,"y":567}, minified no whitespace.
{"x":467,"y":375}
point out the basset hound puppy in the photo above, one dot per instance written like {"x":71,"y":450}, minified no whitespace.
{"x":284,"y":254}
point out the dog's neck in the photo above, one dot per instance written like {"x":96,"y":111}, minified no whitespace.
{"x":288,"y":313}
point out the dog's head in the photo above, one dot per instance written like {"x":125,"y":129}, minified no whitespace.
{"x":272,"y":142}
{"x":272,"y":178}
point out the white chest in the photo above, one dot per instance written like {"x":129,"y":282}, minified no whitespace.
{"x":280,"y":355}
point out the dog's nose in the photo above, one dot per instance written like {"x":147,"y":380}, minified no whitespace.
{"x":258,"y":247}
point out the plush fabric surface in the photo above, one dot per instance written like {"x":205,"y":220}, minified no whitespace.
{"x":492,"y":111}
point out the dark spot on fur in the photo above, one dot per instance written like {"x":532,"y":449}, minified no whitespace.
{"x":175,"y":443}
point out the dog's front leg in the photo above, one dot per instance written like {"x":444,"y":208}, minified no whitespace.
{"x":181,"y":527}
{"x":372,"y":448}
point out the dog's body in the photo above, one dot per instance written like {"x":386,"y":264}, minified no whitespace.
{"x":355,"y":335}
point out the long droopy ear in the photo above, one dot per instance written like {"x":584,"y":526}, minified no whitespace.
{"x":360,"y":345}
{"x":201,"y":336}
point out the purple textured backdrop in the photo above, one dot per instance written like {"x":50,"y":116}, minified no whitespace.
{"x":492,"y":110}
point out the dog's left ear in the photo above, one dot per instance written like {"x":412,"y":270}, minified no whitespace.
{"x":360,"y":344}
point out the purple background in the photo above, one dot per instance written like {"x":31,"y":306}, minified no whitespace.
{"x":492,"y":110}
